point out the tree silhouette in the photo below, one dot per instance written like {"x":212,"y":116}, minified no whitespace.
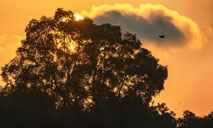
{"x":29,"y":109}
{"x":79,"y":74}
{"x":103,"y":61}
{"x":161,"y":117}
{"x":190,"y":120}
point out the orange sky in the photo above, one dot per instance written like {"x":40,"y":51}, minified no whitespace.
{"x":189,"y":85}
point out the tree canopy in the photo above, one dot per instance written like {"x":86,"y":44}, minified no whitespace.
{"x":75,"y":60}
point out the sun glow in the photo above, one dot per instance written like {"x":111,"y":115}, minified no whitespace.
{"x":78,"y":17}
{"x":72,"y":46}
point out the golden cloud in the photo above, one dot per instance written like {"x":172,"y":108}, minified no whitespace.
{"x":148,"y":22}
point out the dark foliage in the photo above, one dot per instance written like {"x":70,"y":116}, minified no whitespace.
{"x":190,"y":120}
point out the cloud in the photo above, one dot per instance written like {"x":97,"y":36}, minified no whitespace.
{"x":148,"y":22}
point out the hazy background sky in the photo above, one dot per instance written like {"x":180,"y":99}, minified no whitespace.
{"x":187,"y":49}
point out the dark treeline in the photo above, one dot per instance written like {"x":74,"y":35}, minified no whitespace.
{"x":76,"y":74}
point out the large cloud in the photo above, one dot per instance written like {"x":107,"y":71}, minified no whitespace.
{"x":148,"y":22}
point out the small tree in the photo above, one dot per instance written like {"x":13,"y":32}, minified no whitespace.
{"x":190,"y":120}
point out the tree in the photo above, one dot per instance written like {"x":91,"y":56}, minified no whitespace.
{"x":87,"y":67}
{"x":190,"y":120}
{"x":30,"y":109}
{"x":161,"y":117}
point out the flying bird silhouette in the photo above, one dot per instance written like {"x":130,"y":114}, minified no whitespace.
{"x":162,"y":36}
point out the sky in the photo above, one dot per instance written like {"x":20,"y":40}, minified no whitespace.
{"x":187,"y":48}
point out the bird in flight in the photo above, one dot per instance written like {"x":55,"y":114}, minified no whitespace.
{"x":162,"y":36}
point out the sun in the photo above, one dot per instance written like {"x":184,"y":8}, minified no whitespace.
{"x":78,"y":17}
